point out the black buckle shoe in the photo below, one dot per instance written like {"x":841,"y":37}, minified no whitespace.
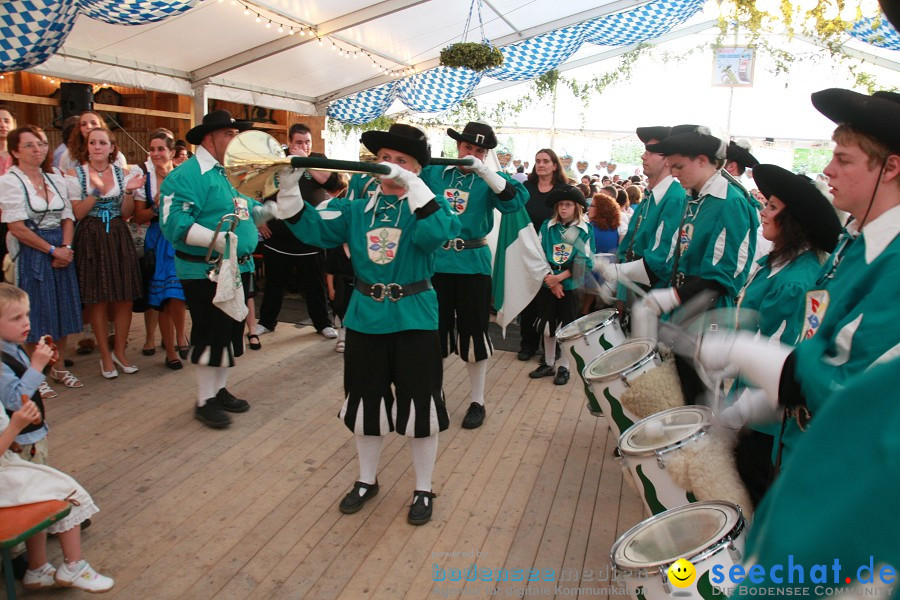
{"x":420,"y":510}
{"x":230,"y":402}
{"x":212,"y":415}
{"x":474,"y":416}
{"x":542,"y":371}
{"x":562,"y":376}
{"x":354,"y":501}
{"x":524,"y":355}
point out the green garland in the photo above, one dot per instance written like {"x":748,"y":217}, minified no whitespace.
{"x":471,"y":55}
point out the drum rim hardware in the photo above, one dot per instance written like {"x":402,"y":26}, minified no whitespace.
{"x":622,"y":374}
{"x":562,"y":336}
{"x":725,"y":542}
{"x":666,"y":449}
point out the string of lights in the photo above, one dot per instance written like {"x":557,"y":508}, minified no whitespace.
{"x":343,"y":49}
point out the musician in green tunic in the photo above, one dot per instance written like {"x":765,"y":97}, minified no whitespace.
{"x":649,"y":243}
{"x":716,"y":239}
{"x":462,"y":276}
{"x":850,"y":322}
{"x":803,"y":228}
{"x":194,"y":198}
{"x":392,"y":363}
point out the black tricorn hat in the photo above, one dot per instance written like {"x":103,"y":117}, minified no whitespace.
{"x":658,"y":132}
{"x":566,"y":193}
{"x":741,"y":156}
{"x":475,"y":132}
{"x":217,"y":119}
{"x":690,"y":140}
{"x":408,"y":139}
{"x":877,"y":115}
{"x":806,"y":203}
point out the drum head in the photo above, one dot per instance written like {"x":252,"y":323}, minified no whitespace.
{"x":615,"y":360}
{"x":682,"y":532}
{"x":665,"y":429}
{"x":587,"y":324}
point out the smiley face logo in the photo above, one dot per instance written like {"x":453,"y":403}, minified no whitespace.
{"x":682,"y":573}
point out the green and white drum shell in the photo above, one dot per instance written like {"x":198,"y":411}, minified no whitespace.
{"x":645,"y":455}
{"x":705,"y":533}
{"x":587,"y":338}
{"x":608,"y":375}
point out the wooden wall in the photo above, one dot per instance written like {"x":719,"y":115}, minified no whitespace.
{"x":35,"y":99}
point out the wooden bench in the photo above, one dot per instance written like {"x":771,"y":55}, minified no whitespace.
{"x":18,"y":523}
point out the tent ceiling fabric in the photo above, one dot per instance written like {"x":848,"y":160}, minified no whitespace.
{"x":187,"y":44}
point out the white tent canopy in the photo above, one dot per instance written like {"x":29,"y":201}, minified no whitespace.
{"x":233,"y":50}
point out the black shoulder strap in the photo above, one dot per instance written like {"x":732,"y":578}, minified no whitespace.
{"x":19,"y":369}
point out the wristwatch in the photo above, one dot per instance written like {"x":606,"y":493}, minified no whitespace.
{"x":52,"y":250}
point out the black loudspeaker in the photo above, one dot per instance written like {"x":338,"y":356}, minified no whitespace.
{"x":75,"y":98}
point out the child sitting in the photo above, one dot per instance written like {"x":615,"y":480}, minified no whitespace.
{"x":23,"y":482}
{"x":566,"y":240}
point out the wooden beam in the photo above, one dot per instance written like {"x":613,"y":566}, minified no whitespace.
{"x":6,"y":96}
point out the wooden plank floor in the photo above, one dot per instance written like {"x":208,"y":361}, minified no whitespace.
{"x":251,"y":512}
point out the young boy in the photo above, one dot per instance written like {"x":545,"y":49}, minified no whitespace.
{"x":19,"y":375}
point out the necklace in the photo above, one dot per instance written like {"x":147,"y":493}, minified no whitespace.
{"x":98,"y":171}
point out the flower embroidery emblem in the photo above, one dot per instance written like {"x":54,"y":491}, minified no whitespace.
{"x":382,"y":244}
{"x":458,"y":199}
{"x":816,"y":305}
{"x":562,"y":253}
{"x":686,"y":236}
{"x":240,"y":208}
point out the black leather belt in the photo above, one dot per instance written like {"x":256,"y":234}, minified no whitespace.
{"x":392,"y":291}
{"x":202,"y":259}
{"x":460,"y":244}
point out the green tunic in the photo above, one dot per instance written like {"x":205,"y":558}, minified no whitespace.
{"x":653,"y":228}
{"x":568,"y":248}
{"x":777,"y":296}
{"x":838,"y":493}
{"x":474,"y":203}
{"x":198,"y":192}
{"x":388,"y":244}
{"x":850,"y":317}
{"x":718,"y":238}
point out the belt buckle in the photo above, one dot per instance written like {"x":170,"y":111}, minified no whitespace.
{"x":378,"y":291}
{"x":679,"y":279}
{"x":394,"y":291}
{"x":457,"y":244}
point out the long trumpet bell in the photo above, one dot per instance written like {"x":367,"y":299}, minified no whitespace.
{"x":254,"y":157}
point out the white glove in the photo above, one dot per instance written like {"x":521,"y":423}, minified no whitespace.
{"x":198,"y":235}
{"x":758,"y":361}
{"x":289,"y":177}
{"x":289,"y":201}
{"x":265,"y":212}
{"x":753,"y":406}
{"x":660,"y":302}
{"x":418,"y":194}
{"x":495,"y":181}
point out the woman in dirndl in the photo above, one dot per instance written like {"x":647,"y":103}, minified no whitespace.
{"x":566,"y":240}
{"x":36,"y":208}
{"x":164,"y":292}
{"x":108,"y":272}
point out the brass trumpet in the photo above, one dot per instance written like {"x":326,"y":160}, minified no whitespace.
{"x":254,"y":157}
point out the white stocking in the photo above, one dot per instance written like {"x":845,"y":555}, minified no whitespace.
{"x":424,"y":453}
{"x":550,"y":349}
{"x":477,"y":372}
{"x":207,"y":378}
{"x":368,"y":447}
{"x":221,"y":377}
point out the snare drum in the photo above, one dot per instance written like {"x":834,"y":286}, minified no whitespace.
{"x":587,"y":338}
{"x":608,"y":376}
{"x":706,"y":534}
{"x":644,"y":454}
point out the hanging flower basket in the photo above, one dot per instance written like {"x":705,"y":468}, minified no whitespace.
{"x":471,"y":55}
